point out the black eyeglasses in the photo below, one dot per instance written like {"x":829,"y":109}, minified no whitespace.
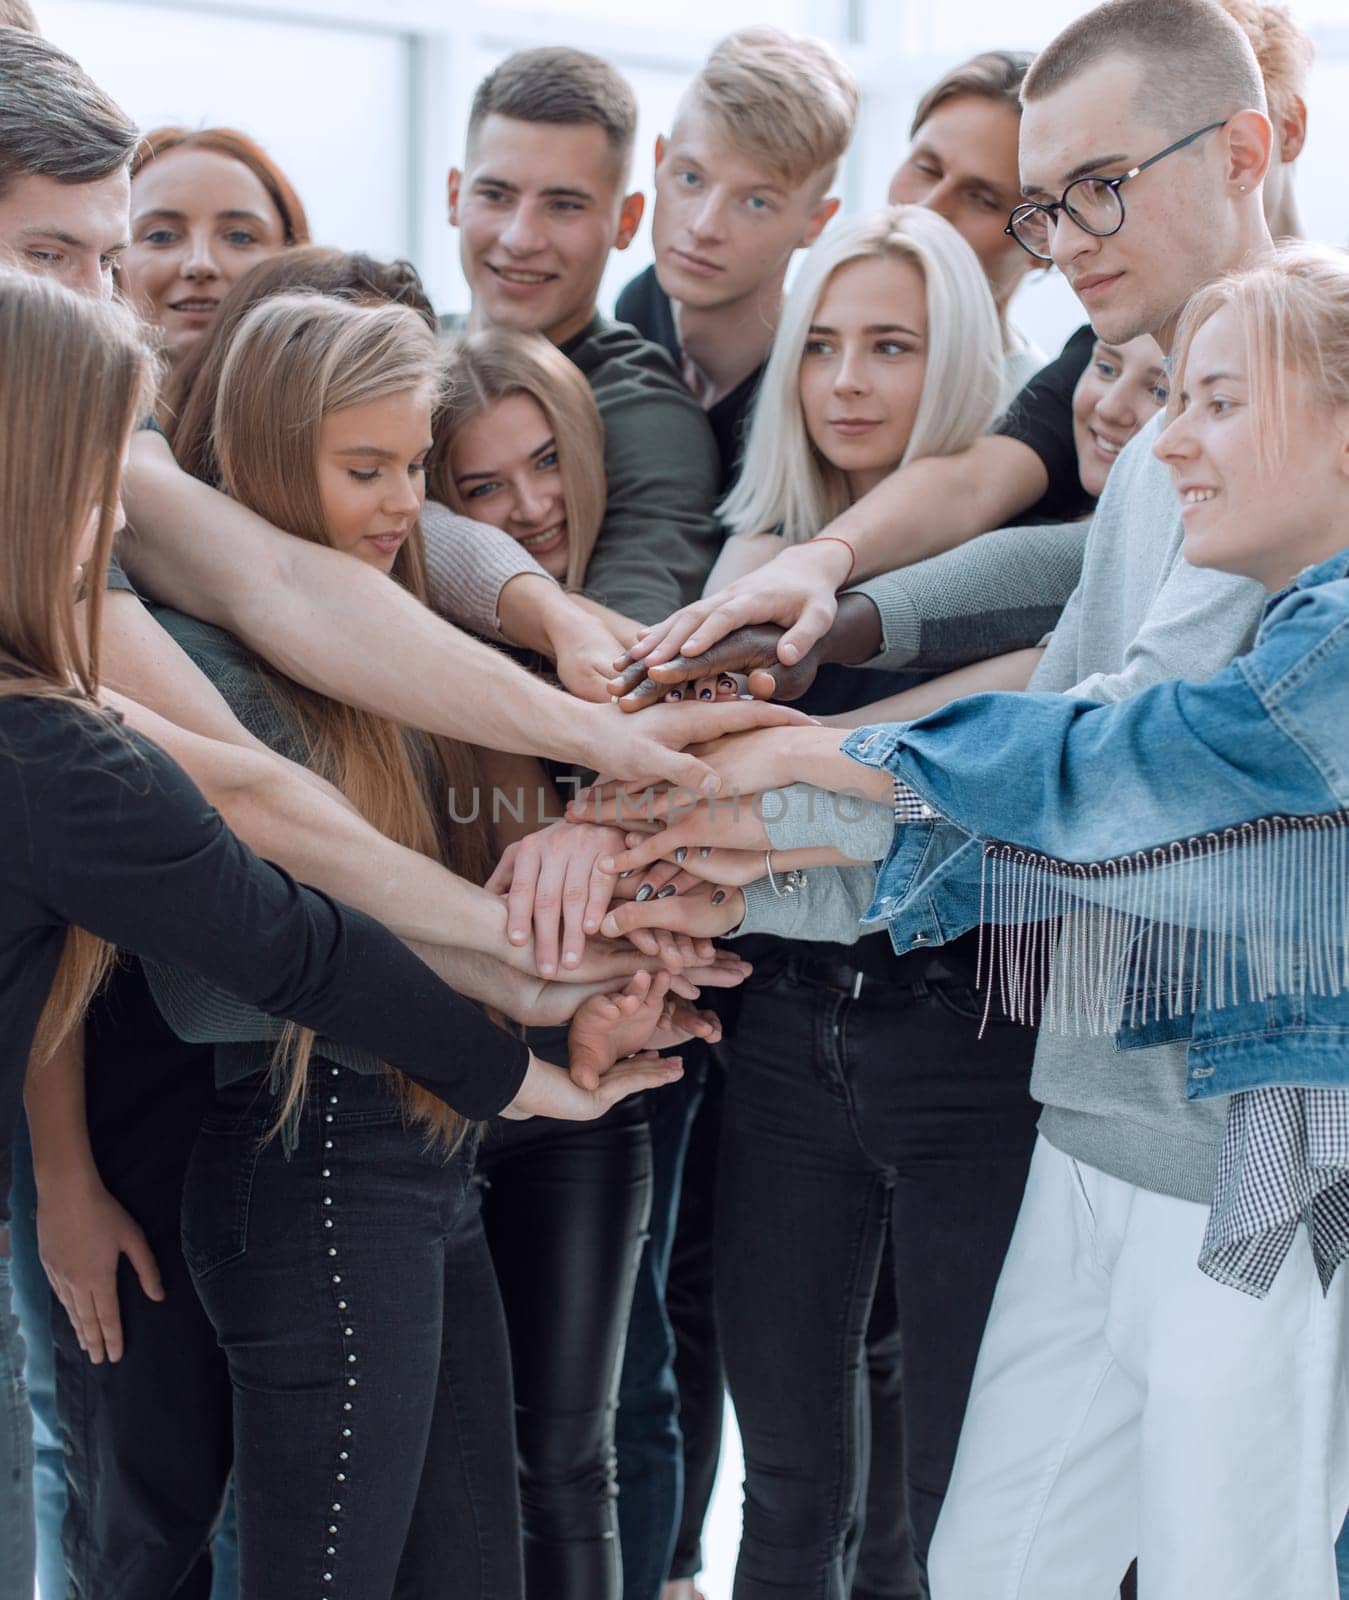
{"x":1094,"y":204}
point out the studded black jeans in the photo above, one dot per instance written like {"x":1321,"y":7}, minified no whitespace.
{"x":351,"y":1289}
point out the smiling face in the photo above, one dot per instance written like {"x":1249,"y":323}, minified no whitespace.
{"x":506,"y":467}
{"x":199,"y":221}
{"x":538,"y":208}
{"x":724,"y":224}
{"x":963,"y":166}
{"x":1122,"y":388}
{"x":73,"y":232}
{"x":371,"y":474}
{"x":1179,"y":233}
{"x":1239,"y":515}
{"x":863,"y":367}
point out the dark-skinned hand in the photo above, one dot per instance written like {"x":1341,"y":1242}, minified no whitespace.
{"x":752,"y":650}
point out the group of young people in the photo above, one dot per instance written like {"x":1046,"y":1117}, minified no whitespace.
{"x":368,"y":676}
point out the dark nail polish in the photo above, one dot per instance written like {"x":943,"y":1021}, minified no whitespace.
{"x":666,"y":892}
{"x":704,"y":850}
{"x":718,"y":897}
{"x":705,"y":694}
{"x":628,"y":873}
{"x":645,"y":892}
{"x":681,"y":853}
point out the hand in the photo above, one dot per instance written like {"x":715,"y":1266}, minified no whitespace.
{"x":539,"y":1003}
{"x":752,"y":650}
{"x":644,"y":1016}
{"x":584,"y":659}
{"x":82,"y":1232}
{"x":796,"y":589}
{"x":706,"y":912}
{"x":551,"y":877}
{"x":650,"y":749}
{"x":547,"y":1091}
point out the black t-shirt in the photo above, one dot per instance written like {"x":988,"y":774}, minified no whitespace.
{"x":1041,"y":416}
{"x":645,"y":306}
{"x":99,"y":828}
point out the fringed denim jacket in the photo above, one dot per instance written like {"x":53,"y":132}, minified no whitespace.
{"x":1174,"y":866}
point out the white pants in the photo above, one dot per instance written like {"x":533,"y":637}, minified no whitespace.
{"x":1125,"y":1405}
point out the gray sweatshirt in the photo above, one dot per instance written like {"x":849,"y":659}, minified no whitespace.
{"x":1140,"y":615}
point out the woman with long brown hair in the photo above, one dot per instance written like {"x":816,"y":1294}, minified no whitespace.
{"x":367,"y":1350}
{"x":105,"y":834}
{"x":206,"y":205}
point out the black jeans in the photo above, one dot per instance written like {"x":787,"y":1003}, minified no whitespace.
{"x":148,"y":1439}
{"x":841,"y":1112}
{"x":566,"y":1208}
{"x":351,"y":1289}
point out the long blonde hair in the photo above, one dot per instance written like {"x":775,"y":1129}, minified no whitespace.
{"x":785,"y":482}
{"x":294,"y":360}
{"x":1294,"y":312}
{"x":487,"y":367}
{"x":75,"y":375}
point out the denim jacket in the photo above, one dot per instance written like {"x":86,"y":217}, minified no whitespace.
{"x":1200,"y":829}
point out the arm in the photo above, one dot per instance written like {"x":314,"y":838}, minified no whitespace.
{"x":922,"y":509}
{"x":336,"y":625}
{"x":118,"y":841}
{"x":742,"y":554}
{"x":1001,"y":672}
{"x":1001,"y":592}
{"x":660,"y":536}
{"x":320,"y":839}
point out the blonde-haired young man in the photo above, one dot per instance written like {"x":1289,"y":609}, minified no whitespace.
{"x":743,"y":180}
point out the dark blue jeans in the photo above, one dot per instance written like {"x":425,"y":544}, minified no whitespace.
{"x":352,"y":1292}
{"x":648,"y":1436}
{"x":565,"y":1206}
{"x":847,"y":1107}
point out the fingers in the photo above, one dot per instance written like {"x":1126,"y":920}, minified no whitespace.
{"x":87,"y":1326}
{"x":548,"y":889}
{"x":644,"y":693}
{"x":520,"y":900}
{"x":500,"y":881}
{"x":816,"y":619}
{"x":647,"y":1071}
{"x":599,"y":892}
{"x":656,"y":884}
{"x":675,"y":632}
{"x":577,"y":892}
{"x":108,"y":1313}
{"x":137,"y":1250}
{"x":722,"y":974}
{"x":705,"y":917}
{"x":708,"y":722}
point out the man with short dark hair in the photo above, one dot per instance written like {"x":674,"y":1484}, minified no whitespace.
{"x":539,"y":203}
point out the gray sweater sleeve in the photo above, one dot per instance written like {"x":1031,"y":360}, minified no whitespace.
{"x":827,"y":908}
{"x":468,"y":564}
{"x":802,"y":818}
{"x":1002,"y":591}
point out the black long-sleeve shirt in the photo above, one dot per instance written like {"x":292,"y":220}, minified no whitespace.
{"x":99,"y":828}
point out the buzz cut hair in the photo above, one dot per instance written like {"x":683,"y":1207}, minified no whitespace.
{"x":1197,"y":65}
{"x":786,"y":100}
{"x":562,"y":87}
{"x":55,"y":122}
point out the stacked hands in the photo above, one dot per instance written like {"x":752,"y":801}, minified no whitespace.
{"x":652,"y":872}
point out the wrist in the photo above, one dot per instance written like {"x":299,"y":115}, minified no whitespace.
{"x":523,"y":609}
{"x":833,"y":558}
{"x":855,"y":635}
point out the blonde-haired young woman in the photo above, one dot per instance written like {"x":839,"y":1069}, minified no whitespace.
{"x":354,"y":1298}
{"x":105,"y":833}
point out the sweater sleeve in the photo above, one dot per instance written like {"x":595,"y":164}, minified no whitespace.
{"x":1003,"y":591}
{"x":659,"y":537}
{"x":468,"y":564}
{"x":123,"y":844}
{"x":827,"y":908}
